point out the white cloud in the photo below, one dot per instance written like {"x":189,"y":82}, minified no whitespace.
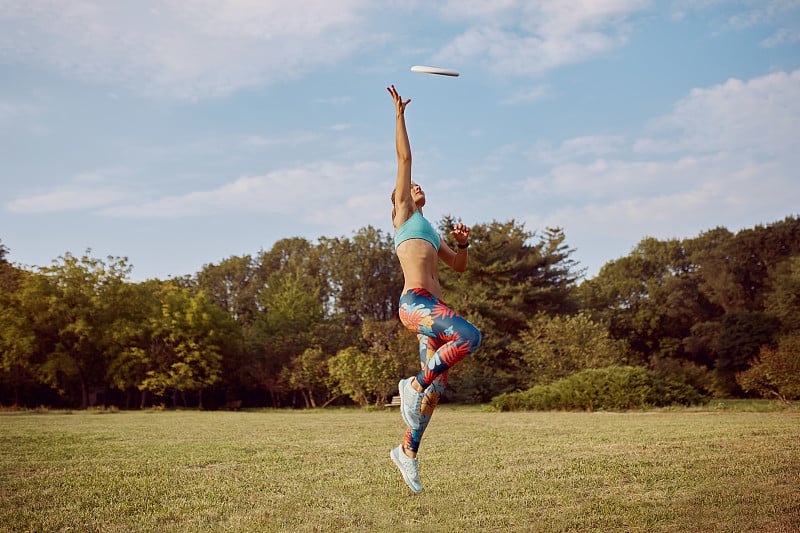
{"x":65,"y":199}
{"x":185,"y":50}
{"x":14,"y":110}
{"x":293,"y":138}
{"x":525,"y":38}
{"x":319,"y":193}
{"x":85,"y":191}
{"x":763,"y":13}
{"x":531,"y":94}
{"x":761,"y":115}
{"x":726,"y":155}
{"x":750,"y":14}
{"x":780,"y":37}
{"x":580,"y":147}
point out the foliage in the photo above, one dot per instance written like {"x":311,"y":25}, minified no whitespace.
{"x":232,"y":285}
{"x":776,"y":371}
{"x":742,"y":334}
{"x":553,"y":347}
{"x":59,"y":323}
{"x":611,"y":388}
{"x":709,"y":301}
{"x":649,"y":298}
{"x":309,"y":374}
{"x":366,"y":379}
{"x":783,"y":296}
{"x":363,"y":274}
{"x":184,"y":342}
{"x":262,"y":329}
{"x":512,"y":275}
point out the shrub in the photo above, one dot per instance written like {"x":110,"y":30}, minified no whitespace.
{"x":775,"y":372}
{"x":611,"y":388}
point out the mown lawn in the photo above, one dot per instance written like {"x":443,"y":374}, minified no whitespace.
{"x":671,"y":470}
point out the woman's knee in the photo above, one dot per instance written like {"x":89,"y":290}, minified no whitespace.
{"x":473,"y":335}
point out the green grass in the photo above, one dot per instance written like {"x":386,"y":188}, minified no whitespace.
{"x":718,"y":469}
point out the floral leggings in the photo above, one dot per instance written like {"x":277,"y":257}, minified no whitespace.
{"x":445,"y":338}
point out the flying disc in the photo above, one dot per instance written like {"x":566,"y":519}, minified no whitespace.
{"x":434,"y":70}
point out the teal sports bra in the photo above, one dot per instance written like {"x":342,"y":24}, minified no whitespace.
{"x":417,"y":227}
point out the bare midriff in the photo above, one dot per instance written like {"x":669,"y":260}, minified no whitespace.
{"x":420,"y":263}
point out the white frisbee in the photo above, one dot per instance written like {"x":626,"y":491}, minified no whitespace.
{"x":434,"y":70}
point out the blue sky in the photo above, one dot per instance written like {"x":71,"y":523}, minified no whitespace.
{"x":179,"y":133}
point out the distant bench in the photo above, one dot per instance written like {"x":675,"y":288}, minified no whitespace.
{"x":394,"y":403}
{"x":233,"y":405}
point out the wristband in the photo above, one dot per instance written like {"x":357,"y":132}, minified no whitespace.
{"x":464,"y":246}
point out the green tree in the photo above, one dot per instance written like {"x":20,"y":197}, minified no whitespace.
{"x":363,"y":377}
{"x":783,"y":296}
{"x":25,"y":333}
{"x":131,"y":337}
{"x":291,"y":307}
{"x":741,"y":337}
{"x":309,"y":374}
{"x":68,"y":319}
{"x":511,"y":276}
{"x":555,"y":347}
{"x":364,"y":276}
{"x":650,"y":299}
{"x":186,"y":336}
{"x":232,"y":285}
{"x":736,"y":268}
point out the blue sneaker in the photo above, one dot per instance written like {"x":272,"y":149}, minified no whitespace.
{"x":408,"y":466}
{"x":410,"y":403}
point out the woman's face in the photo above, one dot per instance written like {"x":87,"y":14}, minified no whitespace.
{"x":417,"y":194}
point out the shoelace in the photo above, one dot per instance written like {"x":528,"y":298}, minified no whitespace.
{"x":418,"y":397}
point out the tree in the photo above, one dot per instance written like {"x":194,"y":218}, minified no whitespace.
{"x":741,"y":337}
{"x":736,"y":268}
{"x":131,"y":336}
{"x":185,"y":339}
{"x":511,"y":276}
{"x":775,"y":372}
{"x":364,"y":276}
{"x":363,"y":377}
{"x":67,"y":303}
{"x":232,"y":285}
{"x":24,"y":333}
{"x":650,"y":299}
{"x":309,"y":374}
{"x":290,"y":307}
{"x":783,"y":297}
{"x":555,"y":347}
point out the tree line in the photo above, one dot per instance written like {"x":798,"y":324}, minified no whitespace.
{"x":308,"y":324}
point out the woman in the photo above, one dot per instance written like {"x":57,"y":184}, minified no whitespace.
{"x":445,"y":338}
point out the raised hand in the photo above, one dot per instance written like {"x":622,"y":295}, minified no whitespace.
{"x":399,"y":104}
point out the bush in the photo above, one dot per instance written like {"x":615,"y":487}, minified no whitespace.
{"x":775,"y":372}
{"x":611,"y":388}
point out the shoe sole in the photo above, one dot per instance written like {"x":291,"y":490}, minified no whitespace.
{"x":396,"y":462}
{"x":400,"y":387}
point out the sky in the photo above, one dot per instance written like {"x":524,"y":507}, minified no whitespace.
{"x":179,"y":133}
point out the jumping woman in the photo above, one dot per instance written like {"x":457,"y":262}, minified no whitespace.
{"x":445,"y":338}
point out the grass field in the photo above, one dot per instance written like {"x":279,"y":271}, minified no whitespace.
{"x":672,"y":470}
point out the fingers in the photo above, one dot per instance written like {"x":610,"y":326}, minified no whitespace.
{"x":460,"y":231}
{"x":397,"y":98}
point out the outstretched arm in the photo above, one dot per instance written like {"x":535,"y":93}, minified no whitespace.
{"x":403,"y":202}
